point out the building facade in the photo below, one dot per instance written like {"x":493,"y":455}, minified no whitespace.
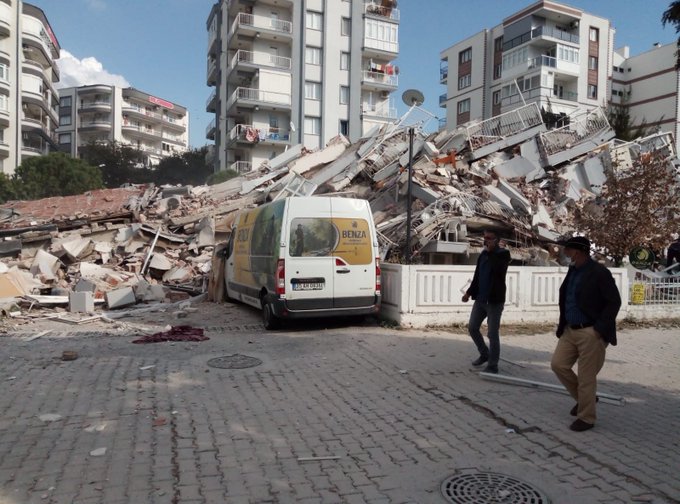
{"x":289,"y":72}
{"x":28,"y":73}
{"x":103,"y":113}
{"x":547,"y":53}
{"x":648,"y":87}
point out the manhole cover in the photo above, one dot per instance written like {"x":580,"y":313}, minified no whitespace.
{"x":236,"y":361}
{"x":486,"y":487}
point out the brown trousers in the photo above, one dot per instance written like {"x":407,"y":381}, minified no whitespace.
{"x":587,"y":348}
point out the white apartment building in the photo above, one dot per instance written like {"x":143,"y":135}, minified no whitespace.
{"x":648,"y":85}
{"x":547,"y":53}
{"x":290,"y":72}
{"x":104,"y":113}
{"x":28,"y":73}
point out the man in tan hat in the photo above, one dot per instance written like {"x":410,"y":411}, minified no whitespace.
{"x":589,"y":302}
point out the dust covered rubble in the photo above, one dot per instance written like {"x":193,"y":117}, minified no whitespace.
{"x":108,"y":251}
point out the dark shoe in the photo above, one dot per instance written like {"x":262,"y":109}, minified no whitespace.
{"x":574,"y":410}
{"x":491,"y":369}
{"x":580,"y":426}
{"x":481,"y":360}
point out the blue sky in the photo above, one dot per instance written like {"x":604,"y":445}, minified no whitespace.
{"x":159,"y":46}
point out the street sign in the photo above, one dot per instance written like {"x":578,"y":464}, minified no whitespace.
{"x":641,"y":258}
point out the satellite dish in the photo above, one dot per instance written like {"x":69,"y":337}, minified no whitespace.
{"x":412,"y":97}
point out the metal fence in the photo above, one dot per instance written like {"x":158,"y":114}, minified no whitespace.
{"x":655,"y":291}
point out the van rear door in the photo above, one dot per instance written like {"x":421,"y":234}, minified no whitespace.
{"x":354,"y":271}
{"x":308,"y":262}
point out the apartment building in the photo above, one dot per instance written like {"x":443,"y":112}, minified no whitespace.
{"x":104,"y":113}
{"x":28,"y":73}
{"x":548,"y":53}
{"x":289,"y":72}
{"x":648,"y":86}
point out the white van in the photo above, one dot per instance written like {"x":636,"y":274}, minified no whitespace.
{"x":305,"y":257}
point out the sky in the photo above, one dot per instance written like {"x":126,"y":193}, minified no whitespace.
{"x":159,"y":46}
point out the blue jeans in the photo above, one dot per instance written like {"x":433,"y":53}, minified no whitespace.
{"x":492,"y":312}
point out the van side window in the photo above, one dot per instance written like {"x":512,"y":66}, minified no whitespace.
{"x":311,"y":237}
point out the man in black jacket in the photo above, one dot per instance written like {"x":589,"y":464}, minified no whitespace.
{"x":488,"y":291}
{"x":589,"y":302}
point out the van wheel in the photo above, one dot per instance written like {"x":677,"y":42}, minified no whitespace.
{"x":269,"y":320}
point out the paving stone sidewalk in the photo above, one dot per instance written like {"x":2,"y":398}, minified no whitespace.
{"x":349,"y":414}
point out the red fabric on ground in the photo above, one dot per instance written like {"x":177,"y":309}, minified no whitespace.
{"x":177,"y":333}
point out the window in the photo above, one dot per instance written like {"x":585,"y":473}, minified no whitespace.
{"x":465,"y":56}
{"x":498,"y":44}
{"x":65,"y":101}
{"x":314,"y":20}
{"x":313,"y":55}
{"x":496,"y":97}
{"x":312,"y":90}
{"x":4,"y":72}
{"x":592,"y":92}
{"x":344,"y":127}
{"x":497,"y":70}
{"x":569,"y":54}
{"x":344,"y":61}
{"x":273,"y":122}
{"x":464,"y":106}
{"x":594,"y":34}
{"x":592,"y":63}
{"x":65,"y":120}
{"x":312,"y":125}
{"x":3,"y":103}
{"x":344,"y":95}
{"x":346,"y":27}
{"x":464,"y":81}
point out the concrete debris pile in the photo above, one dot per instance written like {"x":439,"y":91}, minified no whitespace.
{"x":121,"y":247}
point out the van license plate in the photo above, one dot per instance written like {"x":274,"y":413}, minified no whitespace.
{"x":308,"y":286}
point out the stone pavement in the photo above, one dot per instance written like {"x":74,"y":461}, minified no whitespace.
{"x":385,"y":415}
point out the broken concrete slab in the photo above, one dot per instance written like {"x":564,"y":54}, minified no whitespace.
{"x":120,"y":298}
{"x":81,"y":302}
{"x":160,"y":262}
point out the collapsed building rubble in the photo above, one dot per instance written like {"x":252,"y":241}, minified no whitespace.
{"x":144,"y":244}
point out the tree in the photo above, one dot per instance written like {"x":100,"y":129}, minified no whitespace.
{"x":639,"y":206}
{"x":618,"y":116}
{"x":672,"y":16}
{"x":119,"y":164}
{"x":187,"y":168}
{"x":222,"y":176}
{"x":55,"y":174}
{"x":7,"y":192}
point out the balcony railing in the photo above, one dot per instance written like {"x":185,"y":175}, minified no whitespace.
{"x":261,"y":59}
{"x":442,"y":99}
{"x":381,"y":45}
{"x":241,"y":166}
{"x":251,"y":134}
{"x":261,"y":23}
{"x":210,"y":129}
{"x":96,"y":103}
{"x":541,"y":31}
{"x":538,"y":92}
{"x":210,"y":99}
{"x":443,"y":73}
{"x":504,"y":125}
{"x":380,"y":78}
{"x":577,"y":131}
{"x":540,"y":61}
{"x":258,"y":95}
{"x":383,"y":109}
{"x":386,"y":12}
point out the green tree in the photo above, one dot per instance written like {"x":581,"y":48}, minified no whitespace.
{"x":189,"y":168}
{"x":672,"y":16}
{"x":55,"y":174}
{"x":618,"y":116}
{"x":119,"y":164}
{"x":222,"y":176}
{"x":7,"y":191}
{"x":639,"y":205}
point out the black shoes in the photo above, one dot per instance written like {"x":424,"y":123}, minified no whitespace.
{"x":580,"y":426}
{"x":491,"y":369}
{"x":574,"y":410}
{"x":480,"y":361}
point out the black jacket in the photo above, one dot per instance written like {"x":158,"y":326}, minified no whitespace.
{"x":498,"y":261}
{"x":598,"y":298}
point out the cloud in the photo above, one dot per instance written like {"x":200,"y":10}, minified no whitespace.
{"x":96,"y":5}
{"x":83,"y":72}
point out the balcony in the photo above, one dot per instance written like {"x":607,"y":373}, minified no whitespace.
{"x":210,"y":130}
{"x":4,"y":149}
{"x":256,"y":98}
{"x":235,"y":5}
{"x":176,"y":123}
{"x":135,"y":110}
{"x":380,"y":48}
{"x":442,"y":100}
{"x":248,"y":62}
{"x":141,"y":130}
{"x":379,"y":11}
{"x":211,"y":102}
{"x":241,"y":166}
{"x":541,"y":32}
{"x":99,"y":124}
{"x":93,"y":105}
{"x":379,"y":81}
{"x":537,"y":93}
{"x":211,"y":72}
{"x":443,"y":74}
{"x":250,"y":135}
{"x":381,"y":110}
{"x":266,"y":28}
{"x":5,"y":15}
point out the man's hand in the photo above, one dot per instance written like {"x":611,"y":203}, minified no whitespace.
{"x":502,"y":244}
{"x":466,"y":297}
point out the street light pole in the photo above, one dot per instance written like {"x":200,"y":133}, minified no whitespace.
{"x":408,"y":197}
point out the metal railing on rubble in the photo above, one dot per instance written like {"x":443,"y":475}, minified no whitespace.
{"x":578,"y":130}
{"x":508,"y":124}
{"x":656,"y":290}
